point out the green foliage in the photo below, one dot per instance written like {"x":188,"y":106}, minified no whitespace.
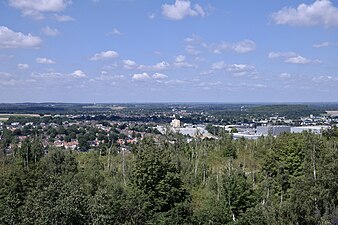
{"x":238,"y":194}
{"x":157,"y":181}
{"x":290,"y":179}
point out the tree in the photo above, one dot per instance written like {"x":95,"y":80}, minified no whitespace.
{"x":157,"y":180}
{"x":238,"y":194}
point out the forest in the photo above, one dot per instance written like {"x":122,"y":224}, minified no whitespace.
{"x":288,"y":179}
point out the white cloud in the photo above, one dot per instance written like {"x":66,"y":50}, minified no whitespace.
{"x":199,"y":10}
{"x":12,"y":39}
{"x":253,"y":86}
{"x":129,"y":64}
{"x":324,"y":78}
{"x":321,"y":12}
{"x":192,"y":50}
{"x":284,"y":76}
{"x":104,"y":55}
{"x":181,"y":9}
{"x":7,"y":79}
{"x":22,"y":66}
{"x":292,"y":57}
{"x":158,"y":66}
{"x":273,"y":55}
{"x":208,"y":72}
{"x":244,"y":46}
{"x":240,"y":47}
{"x":234,"y":69}
{"x":115,"y":32}
{"x":140,"y":76}
{"x":159,"y":76}
{"x":45,"y":61}
{"x":194,"y":39}
{"x":219,"y":48}
{"x":192,"y":44}
{"x":48,"y":75}
{"x":78,"y":74}
{"x":180,"y":58}
{"x":5,"y":75}
{"x":105,"y":77}
{"x":298,"y":60}
{"x":151,"y":16}
{"x":218,"y":65}
{"x":36,"y":8}
{"x":240,"y":69}
{"x":321,"y":45}
{"x":50,"y":31}
{"x":208,"y":85}
{"x":63,"y":18}
{"x":180,"y":62}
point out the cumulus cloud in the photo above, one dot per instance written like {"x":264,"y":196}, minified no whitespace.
{"x":234,"y":69}
{"x":159,"y":76}
{"x":239,"y":47}
{"x":140,"y":76}
{"x":218,"y":65}
{"x":181,"y":62}
{"x":129,"y":64}
{"x":12,"y":39}
{"x":192,"y":50}
{"x":36,"y":8}
{"x":292,"y":57}
{"x":158,"y":66}
{"x":244,"y":46}
{"x":181,"y":9}
{"x":241,"y":69}
{"x":78,"y":74}
{"x":50,"y":31}
{"x":22,"y":66}
{"x":321,"y":12}
{"x":104,"y":55}
{"x":45,"y":61}
{"x":298,"y":60}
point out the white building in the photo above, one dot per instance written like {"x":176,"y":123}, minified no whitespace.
{"x":312,"y":129}
{"x":175,"y":123}
{"x":272,"y":130}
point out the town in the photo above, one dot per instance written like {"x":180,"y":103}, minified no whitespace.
{"x":124,"y":126}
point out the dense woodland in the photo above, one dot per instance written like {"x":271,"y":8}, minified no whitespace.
{"x":290,"y":179}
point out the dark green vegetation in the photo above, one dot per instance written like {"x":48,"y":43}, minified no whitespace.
{"x":291,"y":179}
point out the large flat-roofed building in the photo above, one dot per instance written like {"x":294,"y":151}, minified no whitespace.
{"x":272,"y":130}
{"x":312,"y":129}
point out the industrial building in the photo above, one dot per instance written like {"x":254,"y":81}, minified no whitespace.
{"x":272,"y":130}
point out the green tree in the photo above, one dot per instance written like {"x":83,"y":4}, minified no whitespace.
{"x":157,"y":181}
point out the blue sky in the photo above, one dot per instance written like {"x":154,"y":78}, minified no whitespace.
{"x":168,"y":51}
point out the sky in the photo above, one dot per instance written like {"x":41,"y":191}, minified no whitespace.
{"x":107,"y":51}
